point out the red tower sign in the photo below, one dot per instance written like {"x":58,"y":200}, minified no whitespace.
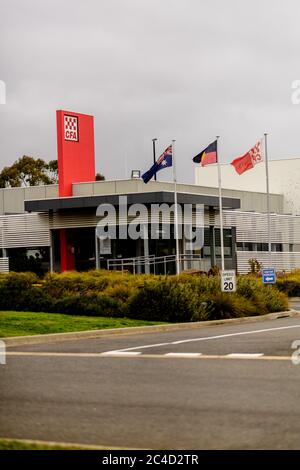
{"x":76,"y":164}
{"x":76,"y":151}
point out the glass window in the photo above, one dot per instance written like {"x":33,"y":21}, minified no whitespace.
{"x":276,"y":246}
{"x":36,"y":260}
{"x":248,"y":246}
{"x":262,"y":247}
{"x":227,"y":242}
{"x":206,"y":251}
{"x":287,"y":247}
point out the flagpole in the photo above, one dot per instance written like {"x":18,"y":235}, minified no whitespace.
{"x":176,"y":208}
{"x":268,"y":200}
{"x":220,"y":208}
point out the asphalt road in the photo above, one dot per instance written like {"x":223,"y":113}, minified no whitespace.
{"x":220,"y":387}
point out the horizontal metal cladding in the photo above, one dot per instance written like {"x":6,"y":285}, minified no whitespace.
{"x":252,"y":227}
{"x":214,"y":219}
{"x":4,"y":265}
{"x":80,"y":219}
{"x":1,"y":233}
{"x":72,"y":220}
{"x":24,"y":230}
{"x":278,"y":260}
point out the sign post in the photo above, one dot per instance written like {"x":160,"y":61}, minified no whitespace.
{"x":228,"y":281}
{"x":269,"y":276}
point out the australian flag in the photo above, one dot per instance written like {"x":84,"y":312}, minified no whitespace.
{"x":162,"y":162}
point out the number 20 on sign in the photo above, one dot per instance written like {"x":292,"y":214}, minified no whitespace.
{"x":228,"y":281}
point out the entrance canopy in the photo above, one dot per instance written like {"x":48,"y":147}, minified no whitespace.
{"x":159,"y":197}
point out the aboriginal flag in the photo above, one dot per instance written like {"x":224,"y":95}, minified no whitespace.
{"x":208,"y":155}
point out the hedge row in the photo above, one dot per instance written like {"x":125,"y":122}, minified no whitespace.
{"x":111,"y":294}
{"x":290,"y":284}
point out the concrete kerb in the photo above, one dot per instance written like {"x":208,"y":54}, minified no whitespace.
{"x":94,"y":334}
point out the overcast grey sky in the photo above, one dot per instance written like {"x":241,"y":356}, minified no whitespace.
{"x":171,"y":69}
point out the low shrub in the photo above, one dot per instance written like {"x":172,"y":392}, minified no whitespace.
{"x":207,"y":284}
{"x":37,"y":300}
{"x":14,"y":287}
{"x":290,"y":286}
{"x":224,"y":306}
{"x":248,"y":286}
{"x":90,"y":305}
{"x":273,"y":300}
{"x":113,"y":294}
{"x":121,"y":292}
{"x":58,"y":285}
{"x":165,"y":300}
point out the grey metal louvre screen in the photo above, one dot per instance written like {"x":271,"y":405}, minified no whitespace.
{"x":24,"y":230}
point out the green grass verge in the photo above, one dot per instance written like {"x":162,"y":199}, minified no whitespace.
{"x":24,"y":444}
{"x":14,"y":444}
{"x":32,"y":323}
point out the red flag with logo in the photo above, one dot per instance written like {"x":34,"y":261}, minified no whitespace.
{"x":249,"y":160}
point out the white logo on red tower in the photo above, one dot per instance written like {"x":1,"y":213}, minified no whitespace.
{"x":71,"y":128}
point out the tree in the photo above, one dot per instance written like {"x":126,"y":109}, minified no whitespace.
{"x":99,"y":177}
{"x":255,"y":266}
{"x":28,"y":171}
{"x":53,"y":170}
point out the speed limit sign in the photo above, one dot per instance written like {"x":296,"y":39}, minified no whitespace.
{"x":228,"y":281}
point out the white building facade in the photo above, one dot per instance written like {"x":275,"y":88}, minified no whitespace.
{"x":251,"y":224}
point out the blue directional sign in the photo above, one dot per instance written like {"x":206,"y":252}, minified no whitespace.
{"x":269,"y":276}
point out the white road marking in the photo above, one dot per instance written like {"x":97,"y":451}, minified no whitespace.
{"x":121,"y":353}
{"x":140,"y":347}
{"x":50,"y":354}
{"x":147,"y":356}
{"x":245,"y":355}
{"x":208,"y":338}
{"x":183,"y":354}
